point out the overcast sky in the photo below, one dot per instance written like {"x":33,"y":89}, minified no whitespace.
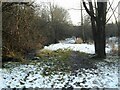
{"x":75,"y":15}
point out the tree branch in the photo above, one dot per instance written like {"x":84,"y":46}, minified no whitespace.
{"x":111,"y":14}
{"x":114,"y":14}
{"x":75,"y":9}
{"x":109,"y":6}
{"x":8,"y":5}
{"x":89,"y":11}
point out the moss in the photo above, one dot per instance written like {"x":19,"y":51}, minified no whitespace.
{"x":57,"y":60}
{"x":54,"y":55}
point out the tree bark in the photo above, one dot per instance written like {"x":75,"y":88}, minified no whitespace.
{"x":101,"y":19}
{"x":94,"y":28}
{"x":98,"y":26}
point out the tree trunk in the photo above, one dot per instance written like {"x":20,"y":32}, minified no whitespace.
{"x":94,"y":28}
{"x":98,"y":26}
{"x":100,"y":42}
{"x":101,"y":19}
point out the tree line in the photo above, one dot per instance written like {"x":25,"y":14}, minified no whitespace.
{"x":28,"y":27}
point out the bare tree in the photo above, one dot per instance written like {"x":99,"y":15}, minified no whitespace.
{"x":98,"y":21}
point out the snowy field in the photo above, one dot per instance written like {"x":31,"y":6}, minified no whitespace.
{"x":20,"y":76}
{"x":106,"y":76}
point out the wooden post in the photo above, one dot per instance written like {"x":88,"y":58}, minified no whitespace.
{"x":119,"y":28}
{"x":83,"y":34}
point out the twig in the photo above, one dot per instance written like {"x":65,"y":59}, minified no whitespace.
{"x":111,"y":14}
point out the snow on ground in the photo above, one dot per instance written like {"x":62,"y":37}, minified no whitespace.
{"x":106,"y":76}
{"x":2,"y":83}
{"x":113,"y":39}
{"x":87,"y":48}
{"x":75,"y":47}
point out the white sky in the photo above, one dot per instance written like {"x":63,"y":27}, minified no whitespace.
{"x":75,"y":15}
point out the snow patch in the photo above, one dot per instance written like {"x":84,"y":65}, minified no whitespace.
{"x":87,"y":48}
{"x":31,"y":76}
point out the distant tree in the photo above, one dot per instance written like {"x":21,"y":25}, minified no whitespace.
{"x":87,"y":28}
{"x":59,"y":21}
{"x":55,"y":22}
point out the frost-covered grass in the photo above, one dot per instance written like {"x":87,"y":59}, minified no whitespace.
{"x":32,"y":75}
{"x":54,"y":71}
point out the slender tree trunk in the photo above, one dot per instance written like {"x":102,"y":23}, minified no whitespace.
{"x":95,"y":35}
{"x":119,"y":29}
{"x":94,"y":28}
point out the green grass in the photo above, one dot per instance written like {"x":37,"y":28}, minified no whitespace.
{"x":57,"y":60}
{"x":59,"y":55}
